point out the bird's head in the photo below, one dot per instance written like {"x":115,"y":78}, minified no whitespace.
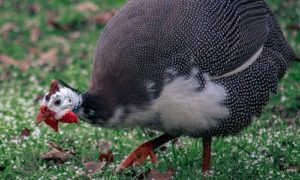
{"x":59,"y":105}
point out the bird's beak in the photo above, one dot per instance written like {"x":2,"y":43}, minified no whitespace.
{"x":40,"y":118}
{"x":45,"y":114}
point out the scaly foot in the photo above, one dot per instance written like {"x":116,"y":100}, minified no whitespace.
{"x":139,"y":155}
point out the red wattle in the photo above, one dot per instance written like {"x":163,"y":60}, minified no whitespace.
{"x":69,"y":117}
{"x":50,"y":121}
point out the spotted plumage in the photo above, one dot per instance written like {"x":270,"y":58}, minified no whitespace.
{"x":157,"y":42}
{"x":200,"y":68}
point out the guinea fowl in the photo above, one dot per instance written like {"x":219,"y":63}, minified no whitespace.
{"x":184,"y":67}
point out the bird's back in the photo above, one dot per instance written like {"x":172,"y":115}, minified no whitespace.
{"x":216,"y":36}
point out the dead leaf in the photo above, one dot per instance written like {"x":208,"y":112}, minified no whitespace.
{"x":8,"y":27}
{"x":51,"y":20}
{"x":86,"y":6}
{"x":55,"y":146}
{"x":293,"y":167}
{"x":104,"y":149}
{"x":103,"y":18}
{"x":74,"y":35}
{"x":64,"y":43}
{"x":35,"y":34}
{"x":93,"y":167}
{"x":25,"y":132}
{"x":49,"y":57}
{"x":45,"y":58}
{"x":8,"y":60}
{"x":294,"y":27}
{"x":22,"y":65}
{"x":33,"y":50}
{"x":108,"y":157}
{"x":156,"y":175}
{"x":26,"y":63}
{"x":6,"y":74}
{"x":17,"y":139}
{"x":34,"y":8}
{"x":73,"y":25}
{"x":57,"y":153}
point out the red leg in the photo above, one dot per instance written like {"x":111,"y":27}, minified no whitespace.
{"x":146,"y":149}
{"x":206,"y":154}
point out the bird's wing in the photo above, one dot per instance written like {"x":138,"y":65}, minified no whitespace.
{"x":146,"y":37}
{"x":222,"y":35}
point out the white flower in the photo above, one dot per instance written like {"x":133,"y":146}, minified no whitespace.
{"x":36,"y":133}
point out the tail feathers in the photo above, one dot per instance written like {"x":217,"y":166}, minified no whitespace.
{"x":278,"y":38}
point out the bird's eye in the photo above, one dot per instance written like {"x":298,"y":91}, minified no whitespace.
{"x":57,"y":102}
{"x":47,"y":98}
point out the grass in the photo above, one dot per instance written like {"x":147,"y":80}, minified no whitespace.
{"x":268,"y":149}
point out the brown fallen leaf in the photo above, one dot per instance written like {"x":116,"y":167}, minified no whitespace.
{"x":34,"y":8}
{"x":23,"y":65}
{"x":6,"y":74}
{"x":44,"y":58}
{"x":86,"y":6}
{"x":70,"y":26}
{"x":293,"y":167}
{"x":104,"y":17}
{"x":47,"y":58}
{"x":93,"y":167}
{"x":108,"y":157}
{"x":156,"y":175}
{"x":51,"y":20}
{"x":8,"y":60}
{"x":33,"y":50}
{"x":104,"y":149}
{"x":64,"y":43}
{"x":55,"y":146}
{"x":4,"y":30}
{"x":57,"y":153}
{"x":74,"y":35}
{"x":17,"y":139}
{"x":34,"y":34}
{"x":25,"y":132}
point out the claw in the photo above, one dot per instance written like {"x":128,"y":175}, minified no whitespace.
{"x":138,"y":156}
